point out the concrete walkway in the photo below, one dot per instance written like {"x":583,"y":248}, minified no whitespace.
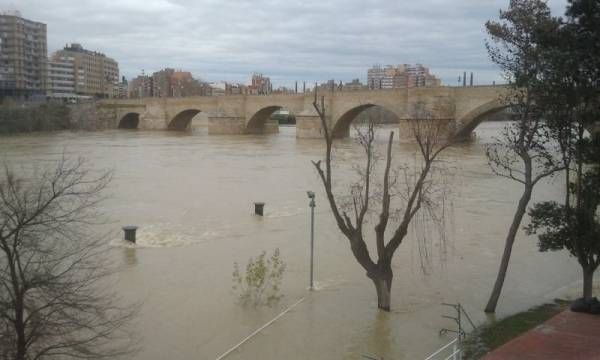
{"x":567,"y":335}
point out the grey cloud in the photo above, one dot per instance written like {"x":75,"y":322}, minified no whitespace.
{"x":287,"y":40}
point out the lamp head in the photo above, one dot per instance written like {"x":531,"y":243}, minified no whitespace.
{"x":311,"y":195}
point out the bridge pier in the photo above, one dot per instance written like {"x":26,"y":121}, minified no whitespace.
{"x":308,"y":124}
{"x":308,"y":127}
{"x":269,"y":126}
{"x":406,"y":131}
{"x":226,"y":125}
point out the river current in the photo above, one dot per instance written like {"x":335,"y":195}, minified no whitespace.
{"x":192,"y":197}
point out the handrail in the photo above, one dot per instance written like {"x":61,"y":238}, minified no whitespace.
{"x":442,"y":349}
{"x":453,"y":355}
{"x":225,"y":354}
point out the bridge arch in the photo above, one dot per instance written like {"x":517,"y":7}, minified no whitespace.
{"x":258,"y":122}
{"x":341,"y":127}
{"x":129,"y":121}
{"x":183,"y":119}
{"x":473,"y":118}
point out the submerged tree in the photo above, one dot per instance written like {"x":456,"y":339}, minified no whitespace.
{"x":524,"y":151}
{"x":419,"y":192}
{"x":53,"y":299}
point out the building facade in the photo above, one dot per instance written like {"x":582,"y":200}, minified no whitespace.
{"x":94,"y":73}
{"x":177,"y":83}
{"x":62,"y":82}
{"x":259,"y":85}
{"x":400,"y":76}
{"x":23,"y":56}
{"x":141,"y":86}
{"x":120,"y":90}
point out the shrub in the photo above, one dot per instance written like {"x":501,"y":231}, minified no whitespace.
{"x":261,"y":283}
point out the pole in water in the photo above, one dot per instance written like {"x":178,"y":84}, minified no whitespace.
{"x":130,"y":233}
{"x":311,"y":196}
{"x":259,"y":208}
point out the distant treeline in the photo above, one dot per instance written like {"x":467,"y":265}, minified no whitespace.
{"x":42,"y":117}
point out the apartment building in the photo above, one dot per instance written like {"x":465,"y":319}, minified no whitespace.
{"x":62,"y":82}
{"x":141,"y":86}
{"x":177,"y":83}
{"x":94,"y":74}
{"x":400,"y":76}
{"x":23,"y":56}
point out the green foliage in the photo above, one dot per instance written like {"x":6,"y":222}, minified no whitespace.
{"x":574,"y":226}
{"x":261,"y":283}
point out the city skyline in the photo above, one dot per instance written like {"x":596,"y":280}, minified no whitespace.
{"x":227,"y":41}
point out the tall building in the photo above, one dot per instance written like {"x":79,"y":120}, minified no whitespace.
{"x":120,"y":89}
{"x":23,"y":56}
{"x":375,"y":76}
{"x":401,"y":76}
{"x":94,"y":73}
{"x":61,"y":77}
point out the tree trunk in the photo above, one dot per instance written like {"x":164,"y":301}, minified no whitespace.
{"x":588,"y":281}
{"x":510,"y":239}
{"x":384,"y":297}
{"x":383,"y":285}
{"x":20,"y":332}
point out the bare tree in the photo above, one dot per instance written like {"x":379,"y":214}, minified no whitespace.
{"x":417,"y":192}
{"x":525,"y":151}
{"x":54,"y":301}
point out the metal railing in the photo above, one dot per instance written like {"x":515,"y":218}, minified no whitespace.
{"x":456,"y":344}
{"x":453,"y":345}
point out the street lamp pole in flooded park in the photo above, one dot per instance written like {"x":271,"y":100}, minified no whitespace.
{"x":311,"y":196}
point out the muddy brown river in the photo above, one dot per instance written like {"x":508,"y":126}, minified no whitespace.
{"x":192,"y":196}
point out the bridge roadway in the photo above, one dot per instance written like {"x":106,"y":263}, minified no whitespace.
{"x":459,"y":109}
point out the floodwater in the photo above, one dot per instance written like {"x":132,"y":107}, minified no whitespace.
{"x":192,"y":196}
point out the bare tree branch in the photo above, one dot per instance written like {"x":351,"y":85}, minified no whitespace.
{"x":52,"y":270}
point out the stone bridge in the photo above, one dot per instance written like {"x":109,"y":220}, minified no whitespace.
{"x":460,"y":108}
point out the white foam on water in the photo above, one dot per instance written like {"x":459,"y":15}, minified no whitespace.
{"x":285,"y":211}
{"x":162,"y":236}
{"x":328,"y":284}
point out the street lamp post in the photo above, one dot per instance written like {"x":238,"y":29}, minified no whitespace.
{"x":311,"y":196}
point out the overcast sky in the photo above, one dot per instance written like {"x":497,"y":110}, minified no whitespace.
{"x":286,"y":40}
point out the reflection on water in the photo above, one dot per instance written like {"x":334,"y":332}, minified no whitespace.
{"x":130,"y":257}
{"x":192,"y":197}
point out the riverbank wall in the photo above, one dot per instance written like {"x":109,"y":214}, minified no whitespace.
{"x":52,"y":116}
